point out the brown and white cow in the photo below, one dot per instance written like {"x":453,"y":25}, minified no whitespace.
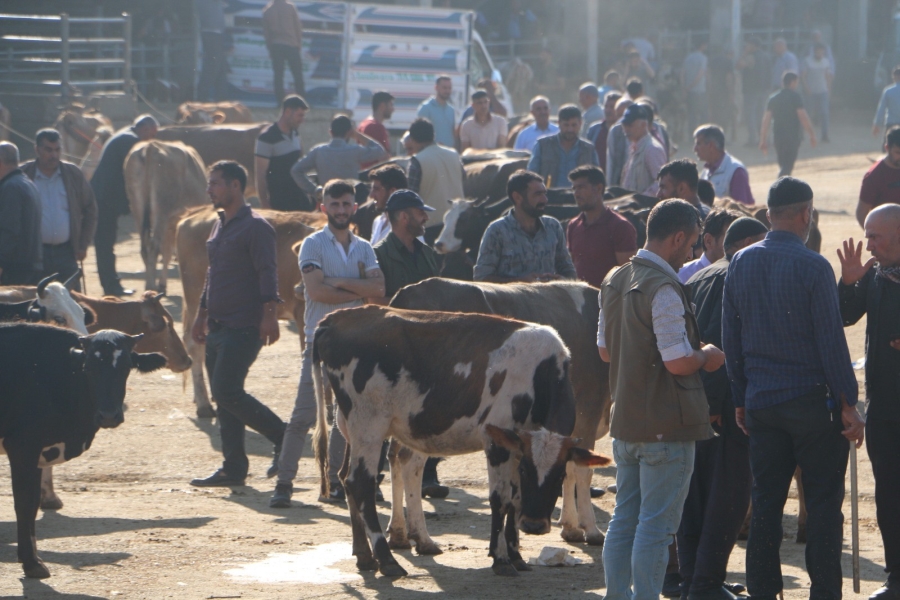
{"x":443,"y":384}
{"x":82,"y":134}
{"x":572,"y":309}
{"x":208,"y":113}
{"x":161,"y":180}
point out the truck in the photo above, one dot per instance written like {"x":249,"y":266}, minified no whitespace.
{"x":350,"y":51}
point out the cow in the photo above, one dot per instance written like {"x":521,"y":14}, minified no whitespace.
{"x":236,"y":141}
{"x":53,"y":301}
{"x":206,"y":113}
{"x":486,"y":180}
{"x":443,"y":384}
{"x":161,"y":180}
{"x":572,"y":309}
{"x":58,"y":390}
{"x":29,"y":311}
{"x":82,"y":134}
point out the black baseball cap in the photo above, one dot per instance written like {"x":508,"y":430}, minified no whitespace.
{"x":405,"y":199}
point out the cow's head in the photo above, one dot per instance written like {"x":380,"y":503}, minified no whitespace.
{"x":59,"y":307}
{"x":107,"y":358}
{"x":457,"y":221}
{"x":542,"y":456}
{"x":161,"y":335}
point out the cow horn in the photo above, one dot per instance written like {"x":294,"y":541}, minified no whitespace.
{"x":42,"y":286}
{"x":71,"y":281}
{"x":159,"y":296}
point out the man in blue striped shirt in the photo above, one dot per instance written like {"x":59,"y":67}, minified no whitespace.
{"x":794,"y":389}
{"x":888,"y":112}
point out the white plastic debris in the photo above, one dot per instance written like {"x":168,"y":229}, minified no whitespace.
{"x":860,"y":364}
{"x":554,"y":557}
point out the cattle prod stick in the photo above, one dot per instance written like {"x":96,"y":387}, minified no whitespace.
{"x":854,"y":517}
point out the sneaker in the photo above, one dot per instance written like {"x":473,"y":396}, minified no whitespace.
{"x":218,"y":479}
{"x":282,"y":496}
{"x":273,"y":468}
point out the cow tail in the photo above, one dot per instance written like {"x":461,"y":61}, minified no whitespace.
{"x":320,"y":437}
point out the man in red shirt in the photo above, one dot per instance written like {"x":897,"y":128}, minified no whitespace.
{"x":382,"y":109}
{"x":599,"y":239}
{"x":881,"y":184}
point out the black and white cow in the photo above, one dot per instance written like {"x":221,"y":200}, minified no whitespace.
{"x":443,"y":384}
{"x":51,"y":304}
{"x":56,"y":390}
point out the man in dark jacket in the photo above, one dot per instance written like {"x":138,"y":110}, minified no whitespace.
{"x":874,"y":289}
{"x":20,"y":222}
{"x":112,"y":201}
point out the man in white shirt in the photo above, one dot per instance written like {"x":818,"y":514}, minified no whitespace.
{"x":541,"y":128}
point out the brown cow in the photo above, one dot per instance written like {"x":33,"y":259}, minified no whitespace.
{"x":82,"y":135}
{"x":212,"y":113}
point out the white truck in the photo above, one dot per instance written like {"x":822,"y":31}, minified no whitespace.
{"x":350,"y":51}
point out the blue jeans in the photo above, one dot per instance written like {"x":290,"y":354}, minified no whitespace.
{"x":653,"y":479}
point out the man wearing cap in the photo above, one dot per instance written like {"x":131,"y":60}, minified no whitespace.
{"x":373,"y":126}
{"x":592,"y":111}
{"x":793,"y":387}
{"x":719,"y":495}
{"x":554,"y":157}
{"x":646,"y":156}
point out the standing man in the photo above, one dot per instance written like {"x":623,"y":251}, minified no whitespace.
{"x":238,"y":315}
{"x":817,"y":79}
{"x":284,"y":39}
{"x":727,"y":174}
{"x":755,"y":76}
{"x":873,"y":289}
{"x":881,"y":184}
{"x":108,"y":183}
{"x":646,"y":155}
{"x":599,"y":239}
{"x":693,"y":82}
{"x":438,"y":110}
{"x":402,"y":258}
{"x":339,"y":270}
{"x":277,"y":149}
{"x":785,"y":62}
{"x":436,"y":172}
{"x":592,"y":111}
{"x":652,"y":342}
{"x":785,"y":108}
{"x":679,"y":179}
{"x":712,"y":240}
{"x":611,"y":83}
{"x":794,"y":389}
{"x":214,"y":70}
{"x":719,"y":495}
{"x":617,"y":144}
{"x":554,"y":157}
{"x":20,"y":222}
{"x":371,"y":222}
{"x":599,"y":132}
{"x":541,"y":128}
{"x":373,"y":126}
{"x":888,"y":113}
{"x":524,"y":246}
{"x":483,"y":131}
{"x":68,"y":208}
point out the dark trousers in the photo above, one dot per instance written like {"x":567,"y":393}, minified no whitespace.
{"x":800,"y":432}
{"x":229,"y":354}
{"x":18,"y":275}
{"x":60,"y":259}
{"x":280,"y":54}
{"x":104,"y":242}
{"x":786,"y":151}
{"x":883,"y":445}
{"x":715,"y":508}
{"x":214,"y":69}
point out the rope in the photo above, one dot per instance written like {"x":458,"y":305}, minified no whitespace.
{"x":153,"y":107}
{"x":31,"y":141}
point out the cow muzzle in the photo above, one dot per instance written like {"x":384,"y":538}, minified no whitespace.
{"x":108,"y":420}
{"x":534,"y":526}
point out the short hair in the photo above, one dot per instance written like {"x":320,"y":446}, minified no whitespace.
{"x":518,"y":182}
{"x":612,"y":95}
{"x":391,"y":176}
{"x":609,"y":74}
{"x":293,"y":102}
{"x":789,"y":77}
{"x":537,"y":99}
{"x":717,"y":221}
{"x":337,"y":188}
{"x":893,"y":136}
{"x":478,"y":95}
{"x":341,"y":125}
{"x":671,"y":216}
{"x":441,"y":78}
{"x":568,"y":112}
{"x":624,"y":101}
{"x":422,"y":131}
{"x":713,"y":133}
{"x":145,"y":120}
{"x":682,"y":170}
{"x":634,"y":87}
{"x":706,"y":192}
{"x":593,"y":174}
{"x":9,"y":153}
{"x":379,"y":98}
{"x":589,"y":88}
{"x":49,"y":134}
{"x":231,"y":171}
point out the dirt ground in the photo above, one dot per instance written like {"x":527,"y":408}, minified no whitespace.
{"x":132,"y":527}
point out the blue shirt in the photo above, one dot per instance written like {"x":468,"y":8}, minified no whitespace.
{"x":531,"y":134}
{"x":567,"y":163}
{"x":782,"y":332}
{"x":442,"y":117}
{"x":888,"y":112}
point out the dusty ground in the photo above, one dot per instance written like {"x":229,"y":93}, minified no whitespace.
{"x":132,"y":527}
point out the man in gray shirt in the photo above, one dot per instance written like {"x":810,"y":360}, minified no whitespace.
{"x":338,"y":159}
{"x":524,"y":246}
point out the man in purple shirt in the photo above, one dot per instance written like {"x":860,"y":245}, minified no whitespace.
{"x":727,"y":174}
{"x":237,"y":317}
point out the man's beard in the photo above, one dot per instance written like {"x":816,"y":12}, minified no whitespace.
{"x":533,"y":211}
{"x":336,"y":224}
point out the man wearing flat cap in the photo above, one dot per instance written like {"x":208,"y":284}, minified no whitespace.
{"x":793,"y":388}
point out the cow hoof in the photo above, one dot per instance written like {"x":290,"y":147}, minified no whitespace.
{"x":428,"y":549}
{"x":206,"y":412}
{"x":367,"y":564}
{"x":595,"y":540}
{"x":573,"y":536}
{"x":504,"y":569}
{"x":51,"y":503}
{"x":393,"y":570}
{"x":521,"y":565}
{"x":36,"y":571}
{"x":801,"y":534}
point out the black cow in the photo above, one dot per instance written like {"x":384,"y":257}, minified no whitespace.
{"x":58,"y":389}
{"x":29,"y":311}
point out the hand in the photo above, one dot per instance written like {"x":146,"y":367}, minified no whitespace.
{"x":854,"y":425}
{"x":764,"y":147}
{"x":895,"y":343}
{"x":80,"y":255}
{"x":739,"y":416}
{"x":715,"y":420}
{"x":852,"y":269}
{"x":715,"y":358}
{"x":875,"y":130}
{"x":198,"y":331}
{"x":268,"y":328}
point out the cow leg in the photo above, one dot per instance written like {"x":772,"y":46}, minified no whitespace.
{"x":197,"y":352}
{"x":412,"y":482}
{"x":26,"y":482}
{"x":511,"y":533}
{"x":801,"y":514}
{"x":397,"y":538}
{"x":586,"y":519}
{"x":500,"y":480}
{"x":49,"y":499}
{"x":568,"y":516}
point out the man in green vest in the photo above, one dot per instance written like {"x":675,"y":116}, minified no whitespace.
{"x":648,"y":333}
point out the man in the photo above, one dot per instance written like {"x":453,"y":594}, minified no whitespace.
{"x":214,"y":71}
{"x":20,"y":222}
{"x":278,"y":148}
{"x":873,"y":289}
{"x":712,"y":240}
{"x":496,"y":107}
{"x":638,"y":69}
{"x":881,"y":183}
{"x":373,"y":126}
{"x":785,"y":108}
{"x":238,"y":315}
{"x":755,"y":75}
{"x":719,"y":494}
{"x":436,"y":172}
{"x":339,"y":270}
{"x":108,"y":184}
{"x":611,"y":83}
{"x":693,"y":82}
{"x":284,"y":39}
{"x":554,"y":157}
{"x":652,"y":343}
{"x":816,"y":39}
{"x":793,"y":388}
{"x":646,"y":155}
{"x":617,"y":144}
{"x":371,"y":222}
{"x":338,"y":159}
{"x":599,"y":239}
{"x":727,"y":174}
{"x":785,"y":61}
{"x":599,"y":132}
{"x":524,"y":246}
{"x":589,"y":99}
{"x":438,"y":110}
{"x":634,"y":89}
{"x":657,"y":129}
{"x":817,"y":79}
{"x":541,"y":128}
{"x":68,"y":208}
{"x":888,"y":113}
{"x":483,"y":131}
{"x":679,"y":179}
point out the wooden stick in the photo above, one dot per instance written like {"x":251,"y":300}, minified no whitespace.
{"x":854,"y":517}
